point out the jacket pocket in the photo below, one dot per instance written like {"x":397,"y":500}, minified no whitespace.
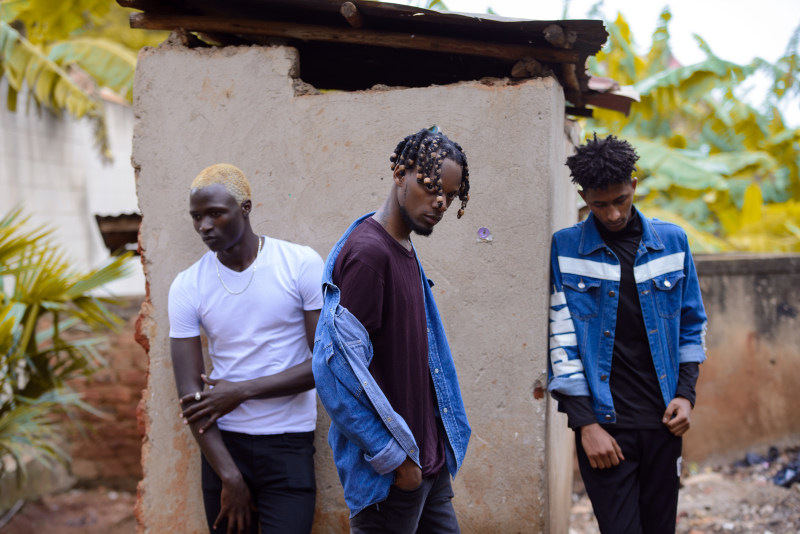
{"x":583,"y":295}
{"x":668,"y":291}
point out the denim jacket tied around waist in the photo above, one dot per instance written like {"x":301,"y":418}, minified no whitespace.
{"x":368,"y":438}
{"x":585,"y":280}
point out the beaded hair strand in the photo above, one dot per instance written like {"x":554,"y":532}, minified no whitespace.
{"x":427,"y":150}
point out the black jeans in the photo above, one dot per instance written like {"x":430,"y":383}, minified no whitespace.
{"x":425,"y":510}
{"x":640,"y":495}
{"x":279,"y":470}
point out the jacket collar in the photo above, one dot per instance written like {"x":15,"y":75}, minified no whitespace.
{"x":327,"y":273}
{"x":591,"y":240}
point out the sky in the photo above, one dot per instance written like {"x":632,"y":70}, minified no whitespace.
{"x":736,"y":30}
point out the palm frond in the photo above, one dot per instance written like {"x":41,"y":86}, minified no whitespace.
{"x":109,"y":63}
{"x":23,"y":64}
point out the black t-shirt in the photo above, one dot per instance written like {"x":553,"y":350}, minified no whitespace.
{"x":634,"y":385}
{"x":381,"y":286}
{"x":633,"y":380}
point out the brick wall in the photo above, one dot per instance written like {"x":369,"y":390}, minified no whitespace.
{"x":108,"y":452}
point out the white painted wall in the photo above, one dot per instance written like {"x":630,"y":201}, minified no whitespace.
{"x":51,"y":167}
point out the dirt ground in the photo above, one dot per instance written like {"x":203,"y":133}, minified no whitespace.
{"x":741,"y":498}
{"x":96,"y":511}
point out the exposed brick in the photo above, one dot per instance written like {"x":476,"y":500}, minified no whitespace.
{"x":133,"y":378}
{"x":110,"y":449}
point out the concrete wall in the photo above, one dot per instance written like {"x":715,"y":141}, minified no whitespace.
{"x":747,"y":394}
{"x":317,"y":161}
{"x":49,"y":165}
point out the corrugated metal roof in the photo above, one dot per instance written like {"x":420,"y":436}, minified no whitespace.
{"x":357,"y":44}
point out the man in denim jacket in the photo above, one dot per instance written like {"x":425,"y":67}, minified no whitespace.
{"x":627,"y":333}
{"x":382,"y":365}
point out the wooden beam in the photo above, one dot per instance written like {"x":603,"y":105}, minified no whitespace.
{"x":351,"y":14}
{"x":308,"y":32}
{"x":578,"y":112}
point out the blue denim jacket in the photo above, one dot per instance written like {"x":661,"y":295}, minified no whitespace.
{"x":585,"y":276}
{"x":368,"y":438}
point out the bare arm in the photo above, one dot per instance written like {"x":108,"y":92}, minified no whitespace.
{"x":187,"y":363}
{"x":227,"y":395}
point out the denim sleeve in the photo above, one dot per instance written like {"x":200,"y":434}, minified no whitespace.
{"x":352,"y":413}
{"x":564,"y":366}
{"x":693,"y":315}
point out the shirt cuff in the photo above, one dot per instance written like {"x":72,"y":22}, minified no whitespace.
{"x":578,"y":409}
{"x":388,"y":459}
{"x":688,"y":372}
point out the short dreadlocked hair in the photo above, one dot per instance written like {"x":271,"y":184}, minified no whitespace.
{"x":602,"y":162}
{"x":427,"y":149}
{"x":231,"y":177}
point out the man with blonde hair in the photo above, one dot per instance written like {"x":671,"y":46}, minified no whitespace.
{"x":257,"y":299}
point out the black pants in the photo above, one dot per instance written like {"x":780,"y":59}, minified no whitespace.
{"x":425,"y":510}
{"x":640,"y":495}
{"x":279,"y":470}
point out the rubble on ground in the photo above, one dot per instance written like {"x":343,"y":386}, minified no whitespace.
{"x":759,"y":494}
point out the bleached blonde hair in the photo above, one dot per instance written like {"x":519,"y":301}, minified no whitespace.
{"x":231,"y":177}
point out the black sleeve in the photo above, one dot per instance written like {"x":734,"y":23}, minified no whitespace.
{"x":687,"y":379}
{"x":578,"y":409}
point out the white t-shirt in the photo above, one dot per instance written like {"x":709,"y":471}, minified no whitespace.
{"x":257,"y":333}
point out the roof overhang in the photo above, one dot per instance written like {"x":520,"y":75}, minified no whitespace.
{"x":357,"y":44}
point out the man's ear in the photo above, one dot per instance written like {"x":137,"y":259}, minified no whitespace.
{"x":246,"y":207}
{"x":634,"y":181}
{"x":582,"y":193}
{"x":397,"y":177}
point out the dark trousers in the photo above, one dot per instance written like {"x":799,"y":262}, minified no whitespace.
{"x":279,"y":470}
{"x":425,"y":510}
{"x":640,"y":495}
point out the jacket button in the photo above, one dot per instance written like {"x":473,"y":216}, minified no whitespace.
{"x":581,"y":285}
{"x":603,"y":377}
{"x":411,"y":451}
{"x":436,"y":371}
{"x":611,"y":293}
{"x":608,"y":417}
{"x":607,"y":333}
{"x":445,"y":410}
{"x":667,"y":284}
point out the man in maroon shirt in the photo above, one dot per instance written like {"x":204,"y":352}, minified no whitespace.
{"x":380,"y":285}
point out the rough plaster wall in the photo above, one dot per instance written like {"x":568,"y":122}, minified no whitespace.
{"x":50,"y":166}
{"x":316,"y":162}
{"x":747,"y":394}
{"x":560,"y":439}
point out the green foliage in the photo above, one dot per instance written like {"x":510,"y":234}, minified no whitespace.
{"x":93,"y":35}
{"x":25,"y":65}
{"x":710,"y":161}
{"x":110,"y":63}
{"x":47,"y":310}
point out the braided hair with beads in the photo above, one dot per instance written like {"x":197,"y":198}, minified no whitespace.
{"x":427,"y":150}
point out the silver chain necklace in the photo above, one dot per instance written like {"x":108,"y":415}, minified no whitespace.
{"x":252,"y":275}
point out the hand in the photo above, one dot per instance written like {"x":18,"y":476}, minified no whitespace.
{"x":677,"y":417}
{"x":600,"y":447}
{"x":235,"y":506}
{"x":213,"y":403}
{"x":408,"y":475}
